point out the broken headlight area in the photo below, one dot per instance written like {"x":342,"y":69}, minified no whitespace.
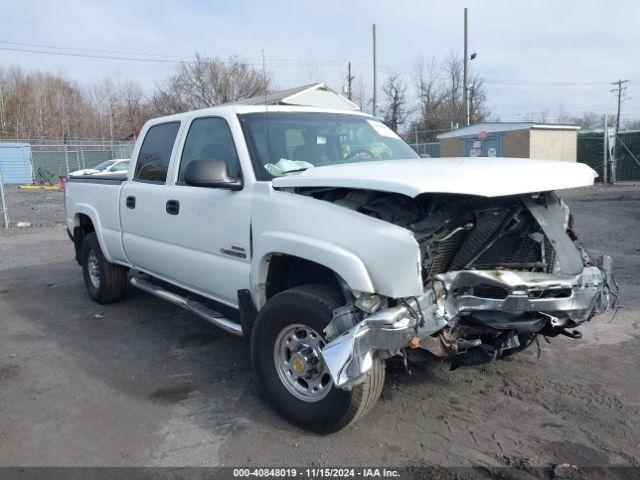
{"x":495,"y":278}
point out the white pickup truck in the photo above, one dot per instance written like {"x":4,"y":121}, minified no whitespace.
{"x":338,"y":247}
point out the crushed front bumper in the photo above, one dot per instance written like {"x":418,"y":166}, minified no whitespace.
{"x":561,"y":298}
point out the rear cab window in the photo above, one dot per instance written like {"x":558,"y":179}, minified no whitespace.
{"x":154,"y":157}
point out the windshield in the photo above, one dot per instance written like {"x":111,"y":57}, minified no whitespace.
{"x":291,"y":142}
{"x":104,"y":165}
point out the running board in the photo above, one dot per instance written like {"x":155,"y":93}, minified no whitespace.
{"x":197,"y":308}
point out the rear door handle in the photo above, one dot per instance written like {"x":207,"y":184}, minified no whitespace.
{"x":131,"y":202}
{"x":173,"y":207}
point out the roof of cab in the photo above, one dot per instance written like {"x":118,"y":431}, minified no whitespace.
{"x":241,"y":108}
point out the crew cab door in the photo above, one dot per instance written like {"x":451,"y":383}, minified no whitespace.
{"x":208,"y":229}
{"x":143,"y":201}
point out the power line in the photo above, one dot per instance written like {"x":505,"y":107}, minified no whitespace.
{"x":105,"y":54}
{"x":127,"y":55}
{"x":278,"y":63}
{"x":526,"y":83}
{"x":94,"y":50}
{"x":87,"y":55}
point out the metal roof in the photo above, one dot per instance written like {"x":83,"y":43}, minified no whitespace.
{"x":495,"y":127}
{"x":313,"y":95}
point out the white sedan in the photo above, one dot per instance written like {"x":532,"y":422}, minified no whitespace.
{"x":118,"y":165}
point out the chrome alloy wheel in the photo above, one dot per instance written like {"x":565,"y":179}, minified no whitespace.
{"x":93,"y":265}
{"x":298,"y":359}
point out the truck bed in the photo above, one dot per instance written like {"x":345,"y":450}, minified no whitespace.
{"x":116,"y":178}
{"x":98,"y":197}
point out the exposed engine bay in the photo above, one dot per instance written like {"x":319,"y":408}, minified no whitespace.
{"x":496,"y":273}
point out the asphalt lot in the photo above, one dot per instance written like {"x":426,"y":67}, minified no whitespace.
{"x":145,"y":383}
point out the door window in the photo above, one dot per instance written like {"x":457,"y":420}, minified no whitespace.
{"x":209,"y":138}
{"x":155,"y":153}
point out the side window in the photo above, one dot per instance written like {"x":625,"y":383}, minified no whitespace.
{"x":209,"y":138}
{"x":155,"y":152}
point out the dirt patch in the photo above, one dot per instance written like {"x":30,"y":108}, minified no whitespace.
{"x":577,"y":454}
{"x":171,"y":395}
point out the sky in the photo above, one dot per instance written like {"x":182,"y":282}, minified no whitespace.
{"x":536,"y":56}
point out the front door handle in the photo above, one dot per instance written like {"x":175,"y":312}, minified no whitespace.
{"x":131,"y":202}
{"x":173,"y":207}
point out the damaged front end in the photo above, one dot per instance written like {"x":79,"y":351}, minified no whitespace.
{"x":496,"y":274}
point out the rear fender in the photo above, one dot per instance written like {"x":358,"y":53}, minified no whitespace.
{"x":92,"y":213}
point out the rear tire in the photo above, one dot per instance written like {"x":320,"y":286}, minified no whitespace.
{"x":293,"y":322}
{"x":105,"y":282}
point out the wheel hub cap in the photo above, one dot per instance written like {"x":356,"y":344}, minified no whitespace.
{"x":299,"y":363}
{"x":94,"y":268}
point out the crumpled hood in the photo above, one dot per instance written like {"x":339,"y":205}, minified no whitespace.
{"x":482,"y":176}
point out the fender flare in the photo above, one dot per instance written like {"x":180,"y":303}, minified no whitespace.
{"x":92,"y":213}
{"x":341,"y":261}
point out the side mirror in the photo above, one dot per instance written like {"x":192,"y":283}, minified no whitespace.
{"x":210,"y":174}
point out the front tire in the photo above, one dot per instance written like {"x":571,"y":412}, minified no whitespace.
{"x":285,"y":348}
{"x":105,"y":282}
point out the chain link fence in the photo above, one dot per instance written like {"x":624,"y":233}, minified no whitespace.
{"x":427,"y":149}
{"x":627,"y":153}
{"x":623,"y":167}
{"x":591,"y":151}
{"x":32,"y":177}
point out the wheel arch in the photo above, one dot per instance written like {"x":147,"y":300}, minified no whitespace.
{"x":288,"y":271}
{"x":313,"y":261}
{"x":82,"y":226}
{"x":85,"y":221}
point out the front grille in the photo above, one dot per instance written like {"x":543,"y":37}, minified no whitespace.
{"x":511,"y":250}
{"x":517,"y":245}
{"x":486,"y":225}
{"x":442,"y":253}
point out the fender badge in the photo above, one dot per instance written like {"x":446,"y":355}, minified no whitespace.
{"x":233,"y":253}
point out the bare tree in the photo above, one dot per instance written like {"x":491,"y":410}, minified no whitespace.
{"x":439,"y":91}
{"x":133,"y":109}
{"x":453,"y":88}
{"x":427,"y":80}
{"x":104,"y":98}
{"x":360,"y":95}
{"x":478,"y":111}
{"x":395,"y":92}
{"x":206,"y":82}
{"x":46,"y":105}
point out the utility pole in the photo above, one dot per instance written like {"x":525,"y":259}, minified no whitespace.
{"x":465,"y":77}
{"x":618,"y":90}
{"x":605,"y":149}
{"x":111,"y":124}
{"x":375,"y":84}
{"x":349,"y":80}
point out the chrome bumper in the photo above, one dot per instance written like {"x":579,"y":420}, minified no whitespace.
{"x":350,"y":355}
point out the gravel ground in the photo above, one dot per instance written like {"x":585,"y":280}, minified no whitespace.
{"x":142,"y":382}
{"x":37,"y":207}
